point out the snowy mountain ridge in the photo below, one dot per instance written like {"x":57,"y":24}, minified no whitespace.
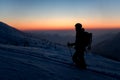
{"x":10,"y":35}
{"x":43,"y":60}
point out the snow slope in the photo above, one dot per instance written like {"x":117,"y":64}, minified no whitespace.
{"x":40,"y":59}
{"x":30,"y":63}
{"x":10,"y":35}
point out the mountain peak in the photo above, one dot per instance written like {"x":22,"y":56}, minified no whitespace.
{"x":3,"y":24}
{"x":5,"y":27}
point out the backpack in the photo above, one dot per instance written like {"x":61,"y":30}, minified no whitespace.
{"x":87,"y":38}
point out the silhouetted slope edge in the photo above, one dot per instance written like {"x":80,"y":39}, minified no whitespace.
{"x":109,"y":48}
{"x":6,"y":27}
{"x":10,"y":35}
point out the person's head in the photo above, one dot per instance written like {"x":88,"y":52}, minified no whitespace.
{"x":78,"y":26}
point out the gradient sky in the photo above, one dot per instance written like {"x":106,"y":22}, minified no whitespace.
{"x":60,"y":14}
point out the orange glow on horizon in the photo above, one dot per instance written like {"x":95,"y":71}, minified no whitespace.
{"x":61,"y":25}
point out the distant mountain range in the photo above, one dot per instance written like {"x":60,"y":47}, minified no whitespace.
{"x":56,"y":38}
{"x":109,"y":47}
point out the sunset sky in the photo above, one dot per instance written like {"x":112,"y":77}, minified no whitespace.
{"x":60,"y":14}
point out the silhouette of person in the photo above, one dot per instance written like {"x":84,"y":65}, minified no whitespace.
{"x":79,"y":45}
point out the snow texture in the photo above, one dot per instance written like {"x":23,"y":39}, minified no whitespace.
{"x":43,"y":60}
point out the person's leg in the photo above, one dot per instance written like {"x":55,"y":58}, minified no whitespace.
{"x":74,"y":57}
{"x":82,"y":63}
{"x":78,"y":59}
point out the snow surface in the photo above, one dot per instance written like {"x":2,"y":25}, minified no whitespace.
{"x":31,"y":63}
{"x":40,"y":59}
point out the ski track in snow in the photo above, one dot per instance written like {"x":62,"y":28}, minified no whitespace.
{"x":37,"y":60}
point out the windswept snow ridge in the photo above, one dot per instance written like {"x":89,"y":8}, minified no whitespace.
{"x":38,"y":59}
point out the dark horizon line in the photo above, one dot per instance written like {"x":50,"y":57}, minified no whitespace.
{"x":73,"y":29}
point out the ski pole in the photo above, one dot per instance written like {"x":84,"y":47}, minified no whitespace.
{"x":70,"y":51}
